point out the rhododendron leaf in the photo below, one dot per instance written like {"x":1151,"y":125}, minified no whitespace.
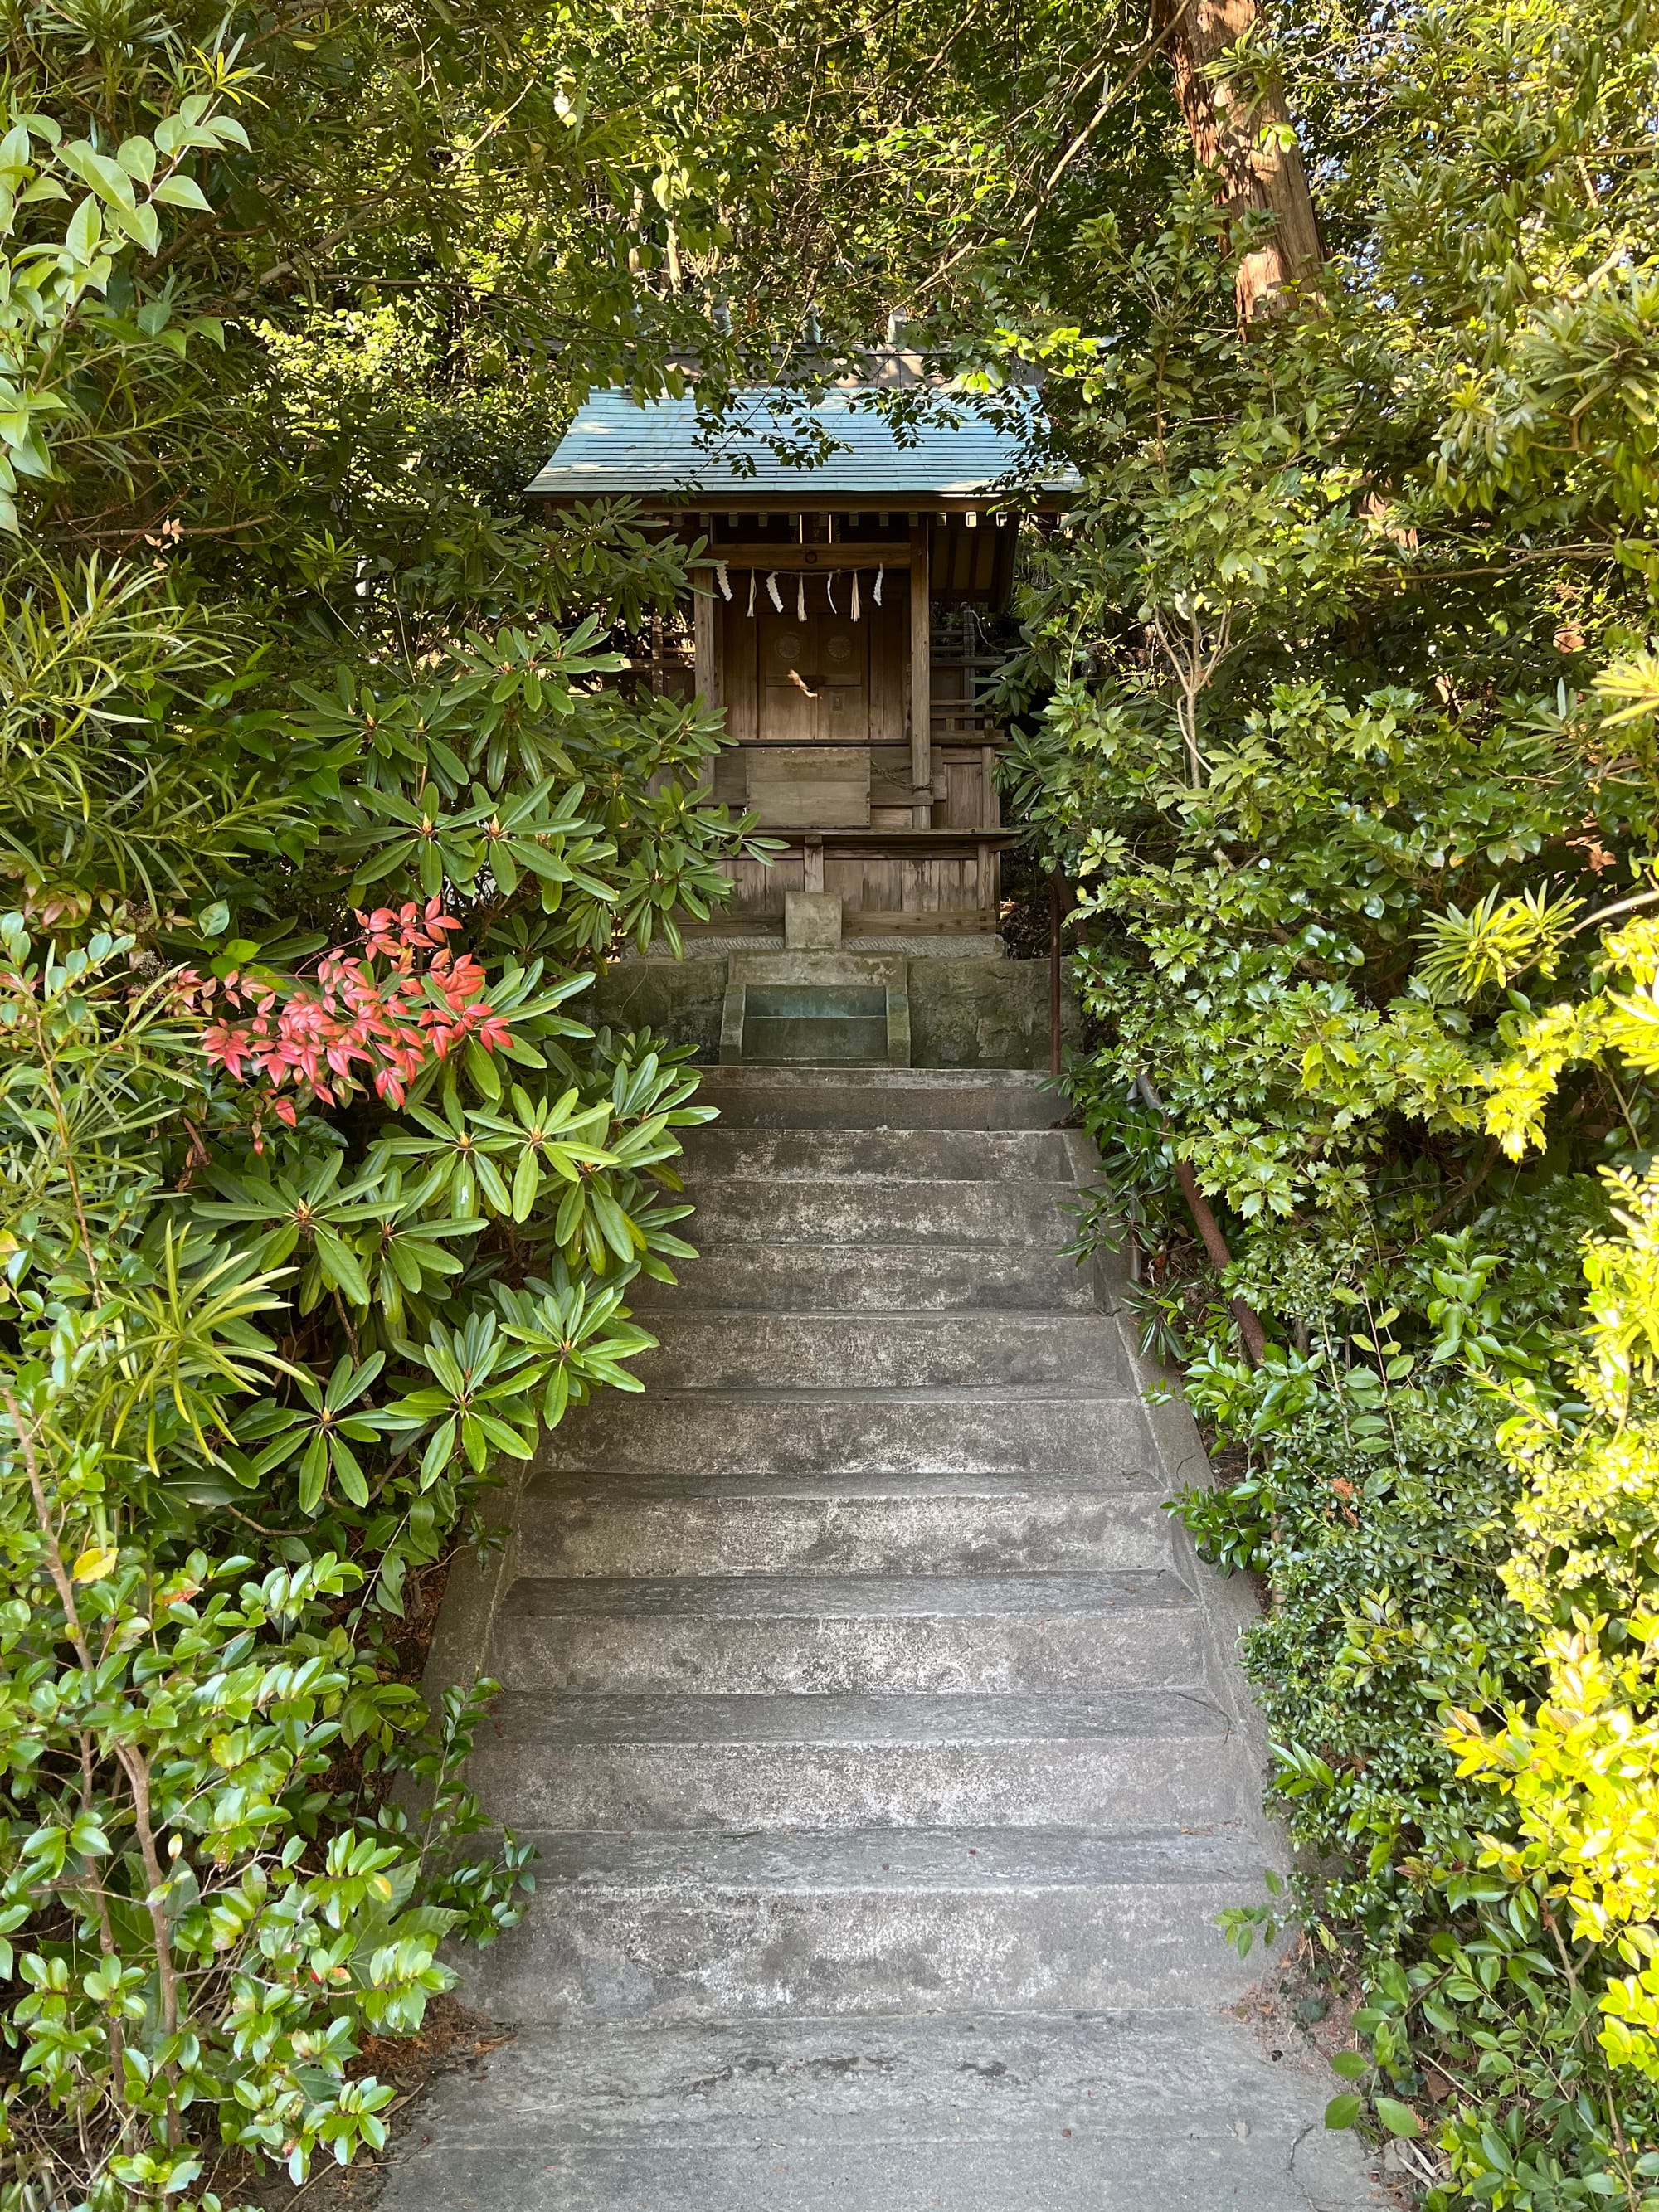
{"x":440,"y":1447}
{"x":482,"y":1071}
{"x":490,"y":1183}
{"x":339,"y":1265}
{"x":314,"y":1473}
{"x":527,"y":1182}
{"x":347,"y":1473}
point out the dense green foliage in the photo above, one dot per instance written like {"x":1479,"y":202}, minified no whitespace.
{"x":1341,"y":722}
{"x":298,"y":1250}
{"x":1339,"y":702}
{"x":319,"y":1198}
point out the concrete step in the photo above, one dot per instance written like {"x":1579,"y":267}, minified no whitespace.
{"x":1101,"y":2112}
{"x":881,"y":1098}
{"x":881,"y":1756}
{"x":1138,"y":1758}
{"x":765,"y":1351}
{"x":978,"y":1634}
{"x":691,"y":1524}
{"x":683,"y":1927}
{"x":869,"y":1278}
{"x":880,"y":1155}
{"x":1007,"y":1430}
{"x":740,"y":1210}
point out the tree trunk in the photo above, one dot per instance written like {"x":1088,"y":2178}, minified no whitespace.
{"x":1227,"y":129}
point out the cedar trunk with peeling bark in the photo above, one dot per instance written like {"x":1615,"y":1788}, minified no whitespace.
{"x":1226,"y":129}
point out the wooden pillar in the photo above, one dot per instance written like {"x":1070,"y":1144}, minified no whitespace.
{"x":705,"y":632}
{"x":990,"y":886}
{"x":704,"y":612}
{"x":921,"y":685}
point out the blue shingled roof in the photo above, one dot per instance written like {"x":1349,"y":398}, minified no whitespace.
{"x":616,"y":446}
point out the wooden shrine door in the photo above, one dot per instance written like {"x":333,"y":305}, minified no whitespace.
{"x":813,"y":697}
{"x":814,"y":676}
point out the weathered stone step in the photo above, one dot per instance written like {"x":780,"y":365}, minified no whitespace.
{"x":1132,"y":2111}
{"x":737,"y":1210}
{"x":1139,"y":1757}
{"x":869,"y":1278}
{"x":863,"y":1703}
{"x":977,"y":1634}
{"x":880,"y":1155}
{"x":813,"y":1041}
{"x":765,"y":1351}
{"x":580,"y":1523}
{"x":881,"y":1098}
{"x":683,"y":1927}
{"x":1007,"y":1430}
{"x":1190,"y":2173}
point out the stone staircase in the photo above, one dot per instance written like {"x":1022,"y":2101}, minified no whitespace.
{"x":875,"y":1726}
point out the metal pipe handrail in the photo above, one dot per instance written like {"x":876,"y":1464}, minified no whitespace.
{"x":1056,"y":883}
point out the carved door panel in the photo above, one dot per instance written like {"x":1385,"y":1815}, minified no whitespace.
{"x":815,"y":677}
{"x":843,"y":673}
{"x":814,"y":694}
{"x":788,"y":694}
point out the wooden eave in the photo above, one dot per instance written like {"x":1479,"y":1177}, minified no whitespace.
{"x":669,"y":507}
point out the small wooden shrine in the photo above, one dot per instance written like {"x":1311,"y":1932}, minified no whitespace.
{"x":841,"y":629}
